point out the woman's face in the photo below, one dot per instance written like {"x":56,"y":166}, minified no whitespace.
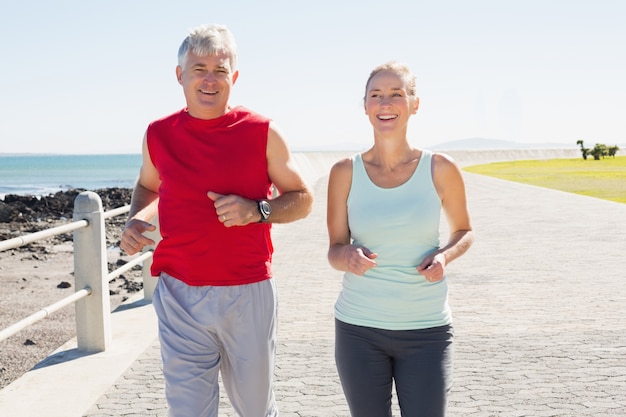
{"x":387,"y":101}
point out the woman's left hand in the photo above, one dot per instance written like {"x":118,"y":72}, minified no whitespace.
{"x":433,"y":267}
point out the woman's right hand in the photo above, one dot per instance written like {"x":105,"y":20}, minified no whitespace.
{"x":360,"y":259}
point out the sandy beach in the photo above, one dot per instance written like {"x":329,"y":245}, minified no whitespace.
{"x":41,"y":273}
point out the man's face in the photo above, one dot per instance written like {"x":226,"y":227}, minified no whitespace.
{"x":206,"y":81}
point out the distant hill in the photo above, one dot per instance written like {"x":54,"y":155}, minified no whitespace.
{"x":482,"y":143}
{"x":453,"y":145}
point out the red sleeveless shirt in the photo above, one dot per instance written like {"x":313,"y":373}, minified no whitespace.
{"x":226,"y":155}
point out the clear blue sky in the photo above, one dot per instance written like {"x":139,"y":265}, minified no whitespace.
{"x":88,"y":76}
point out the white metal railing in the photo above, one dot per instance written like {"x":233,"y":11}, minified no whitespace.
{"x":91,"y":299}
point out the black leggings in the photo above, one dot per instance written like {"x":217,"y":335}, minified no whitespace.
{"x":418,"y":361}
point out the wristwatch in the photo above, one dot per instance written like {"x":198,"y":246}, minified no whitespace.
{"x":265,"y":209}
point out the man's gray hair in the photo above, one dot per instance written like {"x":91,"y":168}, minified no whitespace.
{"x":209,"y":40}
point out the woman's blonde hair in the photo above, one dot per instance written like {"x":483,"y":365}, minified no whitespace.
{"x":398,"y":68}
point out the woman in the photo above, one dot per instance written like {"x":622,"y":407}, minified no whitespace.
{"x":393,"y":322}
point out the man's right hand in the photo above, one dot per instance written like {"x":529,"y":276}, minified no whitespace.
{"x":133,"y":239}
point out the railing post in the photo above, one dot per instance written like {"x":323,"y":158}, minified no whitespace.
{"x":150,"y":282}
{"x":93,"y":313}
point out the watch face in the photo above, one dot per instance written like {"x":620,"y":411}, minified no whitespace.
{"x":265,"y":209}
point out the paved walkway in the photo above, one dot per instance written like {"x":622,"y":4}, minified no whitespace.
{"x":539,"y":305}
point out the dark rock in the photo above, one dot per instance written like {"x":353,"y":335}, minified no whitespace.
{"x":8,"y":213}
{"x":21,"y":215}
{"x":131,"y":286}
{"x":57,"y":206}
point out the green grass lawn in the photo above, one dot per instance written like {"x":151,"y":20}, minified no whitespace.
{"x":605,"y":178}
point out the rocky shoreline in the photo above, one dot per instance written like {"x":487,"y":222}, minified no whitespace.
{"x":27,"y":214}
{"x":38,"y":274}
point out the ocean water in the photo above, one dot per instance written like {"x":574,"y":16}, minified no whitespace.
{"x":46,"y":174}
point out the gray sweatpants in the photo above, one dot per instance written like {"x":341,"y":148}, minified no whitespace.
{"x":211,"y":329}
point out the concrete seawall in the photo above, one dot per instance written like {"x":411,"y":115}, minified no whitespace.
{"x":316,"y":165}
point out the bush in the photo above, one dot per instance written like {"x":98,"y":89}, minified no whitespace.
{"x":598,"y":151}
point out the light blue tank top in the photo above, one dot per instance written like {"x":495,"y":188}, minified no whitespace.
{"x":401,"y":225}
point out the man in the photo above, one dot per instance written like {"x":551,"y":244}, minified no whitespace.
{"x":210,"y":169}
